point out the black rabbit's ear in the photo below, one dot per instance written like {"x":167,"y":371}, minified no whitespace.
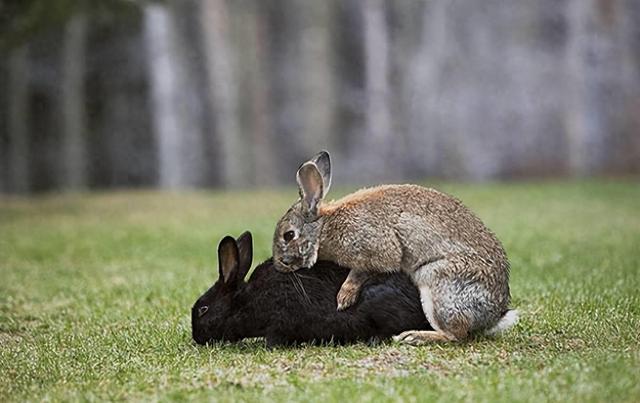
{"x":245,"y":252}
{"x":323,"y":163}
{"x":228,"y":259}
{"x":311,"y":186}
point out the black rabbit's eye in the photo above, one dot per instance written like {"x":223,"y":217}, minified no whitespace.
{"x":202,"y":310}
{"x":288,"y":236}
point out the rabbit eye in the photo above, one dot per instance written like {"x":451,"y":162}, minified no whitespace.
{"x":288,"y":236}
{"x":202,"y":310}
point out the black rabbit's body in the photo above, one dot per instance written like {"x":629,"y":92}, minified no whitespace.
{"x":303,"y":306}
{"x":290,"y":308}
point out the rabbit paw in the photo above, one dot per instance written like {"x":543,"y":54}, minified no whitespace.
{"x":350,"y":289}
{"x":346,"y":296}
{"x":420,"y":337}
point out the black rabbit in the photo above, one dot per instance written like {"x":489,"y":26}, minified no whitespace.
{"x":290,"y":308}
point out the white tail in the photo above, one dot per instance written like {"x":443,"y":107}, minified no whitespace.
{"x":508,"y":319}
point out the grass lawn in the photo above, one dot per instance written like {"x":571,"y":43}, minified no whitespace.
{"x":95,"y":293}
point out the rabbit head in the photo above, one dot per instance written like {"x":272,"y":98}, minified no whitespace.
{"x":211,"y":312}
{"x":297,"y":236}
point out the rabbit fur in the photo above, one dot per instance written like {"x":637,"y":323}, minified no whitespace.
{"x":291,"y":308}
{"x":457,"y":263}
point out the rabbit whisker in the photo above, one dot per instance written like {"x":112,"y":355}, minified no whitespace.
{"x":304,"y":292}
{"x":294,"y":283}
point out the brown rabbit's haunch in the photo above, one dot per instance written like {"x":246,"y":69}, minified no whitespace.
{"x":458,"y":264}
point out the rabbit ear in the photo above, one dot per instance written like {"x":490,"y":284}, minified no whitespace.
{"x":228,"y":259}
{"x":323,"y":163}
{"x":245,"y":253}
{"x":310,"y":185}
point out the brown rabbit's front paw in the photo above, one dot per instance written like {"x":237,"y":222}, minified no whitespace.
{"x":349,"y":290}
{"x":346,"y":296}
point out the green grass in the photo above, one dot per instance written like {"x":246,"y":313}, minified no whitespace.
{"x":95,"y":292}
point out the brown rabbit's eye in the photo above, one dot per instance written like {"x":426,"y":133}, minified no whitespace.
{"x":288,"y":236}
{"x":202,"y":310}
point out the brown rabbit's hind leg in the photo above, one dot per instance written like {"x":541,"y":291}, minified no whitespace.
{"x":455,"y":328}
{"x":419,"y":337}
{"x":458,"y":331}
{"x":350,"y":289}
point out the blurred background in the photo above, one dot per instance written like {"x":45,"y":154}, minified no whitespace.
{"x":214,"y":93}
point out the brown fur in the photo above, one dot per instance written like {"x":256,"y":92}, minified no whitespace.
{"x":459,"y":265}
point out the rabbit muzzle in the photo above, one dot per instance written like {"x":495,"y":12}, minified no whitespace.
{"x":288,"y":264}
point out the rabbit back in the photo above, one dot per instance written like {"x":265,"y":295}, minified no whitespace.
{"x":394,"y":227}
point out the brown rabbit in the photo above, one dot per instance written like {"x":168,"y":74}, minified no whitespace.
{"x":459,"y":266}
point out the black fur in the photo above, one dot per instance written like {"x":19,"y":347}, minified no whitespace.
{"x":290,"y":308}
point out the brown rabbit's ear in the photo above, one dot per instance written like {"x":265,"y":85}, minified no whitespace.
{"x":323,"y":163}
{"x":245,"y":254}
{"x":228,"y":259}
{"x":311,"y":189}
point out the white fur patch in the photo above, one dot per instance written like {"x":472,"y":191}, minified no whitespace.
{"x":427,"y":306}
{"x":507,"y":321}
